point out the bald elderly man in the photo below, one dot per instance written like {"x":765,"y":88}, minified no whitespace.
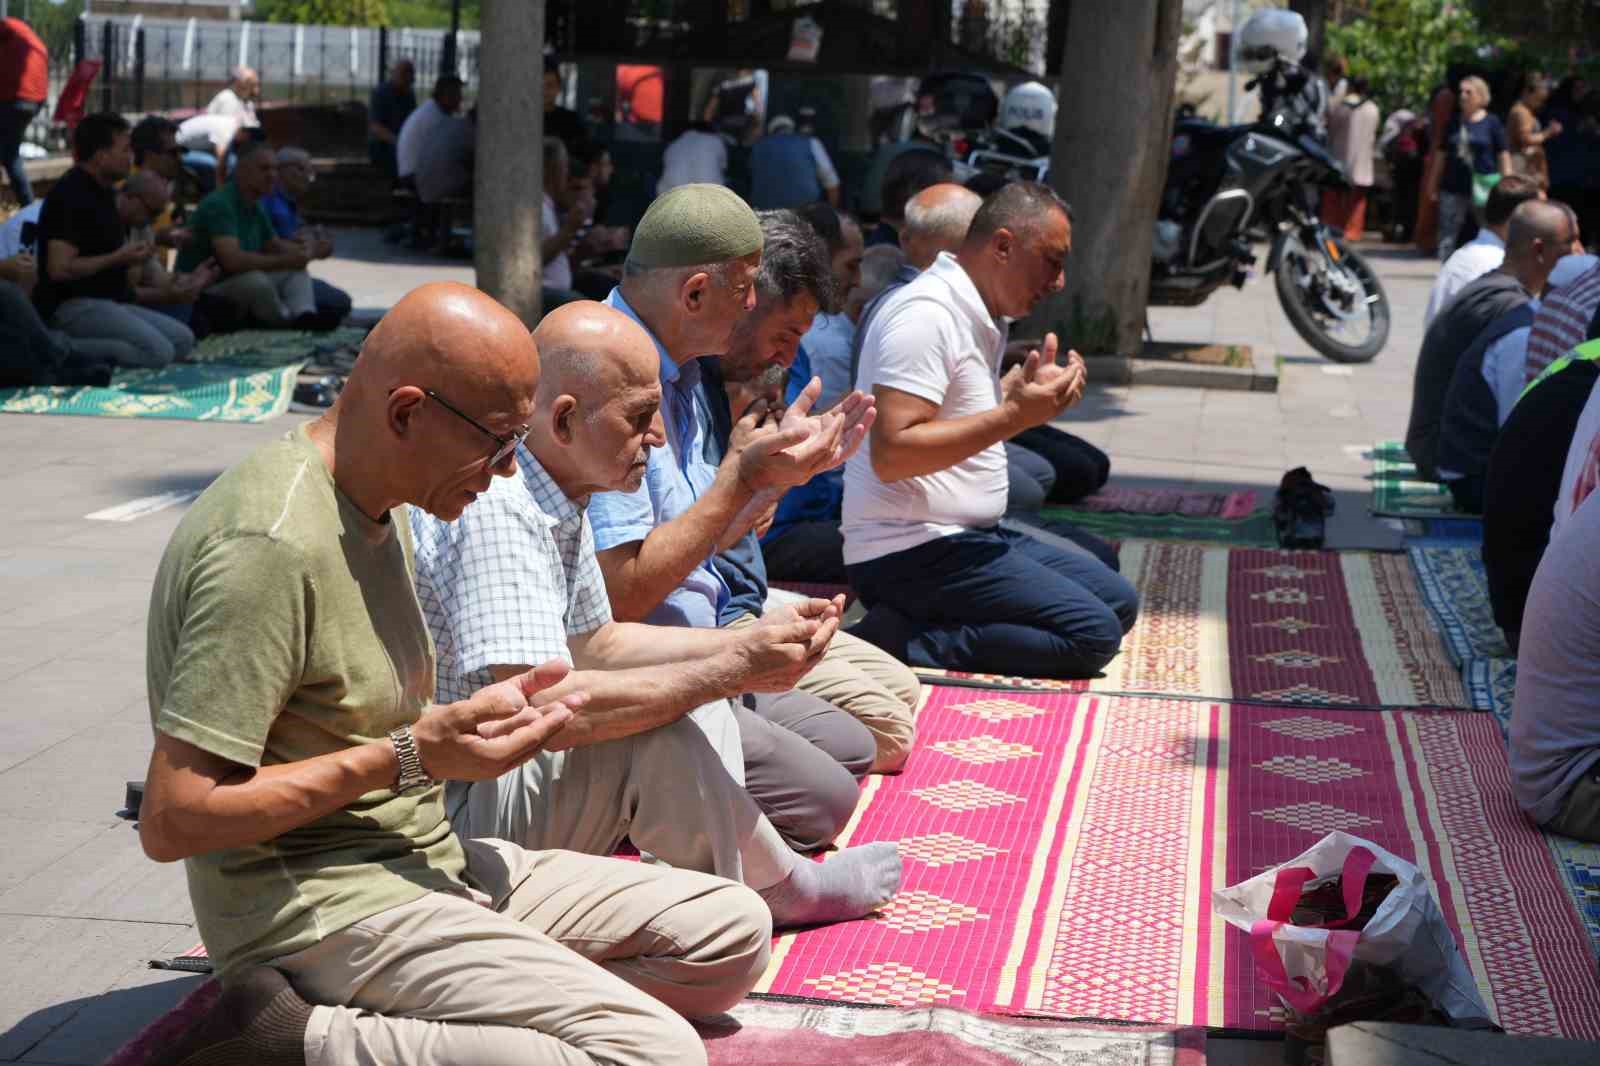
{"x":300,"y":760}
{"x":514,"y":582}
{"x":688,"y":280}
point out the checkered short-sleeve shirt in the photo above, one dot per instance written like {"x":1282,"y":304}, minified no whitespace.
{"x":508,"y":581}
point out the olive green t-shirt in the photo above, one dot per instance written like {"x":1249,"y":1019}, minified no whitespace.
{"x":283,"y":625}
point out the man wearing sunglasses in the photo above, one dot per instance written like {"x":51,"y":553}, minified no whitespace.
{"x":300,"y":760}
{"x":515,"y":581}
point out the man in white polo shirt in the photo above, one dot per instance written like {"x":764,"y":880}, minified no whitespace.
{"x":946,"y":584}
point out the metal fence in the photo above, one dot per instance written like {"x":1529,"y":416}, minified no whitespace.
{"x":177,"y":64}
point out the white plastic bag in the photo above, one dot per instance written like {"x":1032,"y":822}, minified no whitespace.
{"x":1306,"y":966}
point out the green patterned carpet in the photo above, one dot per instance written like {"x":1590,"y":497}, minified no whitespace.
{"x":1254,"y":531}
{"x":1396,"y":490}
{"x":234,"y":377}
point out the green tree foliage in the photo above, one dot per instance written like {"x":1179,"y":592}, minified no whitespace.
{"x":1401,"y":46}
{"x":53,"y":23}
{"x":1547,"y":25}
{"x":324,"y":12}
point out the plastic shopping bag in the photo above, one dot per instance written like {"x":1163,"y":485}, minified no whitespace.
{"x":1306,"y":964}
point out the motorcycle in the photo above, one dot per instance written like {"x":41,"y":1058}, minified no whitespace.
{"x":1228,"y":184}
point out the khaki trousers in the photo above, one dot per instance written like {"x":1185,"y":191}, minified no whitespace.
{"x":866,"y":682}
{"x":582,"y":960}
{"x":270,"y":298}
{"x":666,"y":789}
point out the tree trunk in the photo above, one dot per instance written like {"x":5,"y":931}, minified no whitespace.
{"x":1315,"y":12}
{"x":1113,"y":136}
{"x":508,"y":182}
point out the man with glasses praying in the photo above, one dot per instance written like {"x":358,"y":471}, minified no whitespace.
{"x":300,"y":758}
{"x":296,"y":175}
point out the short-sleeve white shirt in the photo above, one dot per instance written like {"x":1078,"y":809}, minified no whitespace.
{"x":420,"y":127}
{"x":935,"y":340}
{"x":207,"y":133}
{"x":227,"y":102}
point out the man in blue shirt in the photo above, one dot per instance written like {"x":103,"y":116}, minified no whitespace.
{"x":689,"y":277}
{"x":296,"y":175}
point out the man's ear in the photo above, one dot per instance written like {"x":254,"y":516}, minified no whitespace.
{"x":405,"y":404}
{"x":696,"y":288}
{"x":563,"y":418}
{"x":1003,"y":241}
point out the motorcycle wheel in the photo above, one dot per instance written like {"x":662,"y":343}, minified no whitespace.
{"x":1335,"y":330}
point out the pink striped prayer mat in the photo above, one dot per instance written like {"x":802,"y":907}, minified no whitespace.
{"x":1228,"y":505}
{"x":1061,"y":850}
{"x":1329,"y":628}
{"x":826,"y":1034}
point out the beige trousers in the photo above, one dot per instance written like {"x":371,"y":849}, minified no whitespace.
{"x":667,"y":789}
{"x":582,"y":960}
{"x":269,"y":298}
{"x":866,"y":682}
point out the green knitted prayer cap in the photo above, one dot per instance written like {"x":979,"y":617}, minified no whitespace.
{"x":695,"y":224}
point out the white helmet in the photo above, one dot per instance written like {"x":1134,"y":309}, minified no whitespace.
{"x":1269,"y":33}
{"x":1029,"y":106}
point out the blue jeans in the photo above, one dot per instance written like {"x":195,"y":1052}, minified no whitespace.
{"x":996,"y":601}
{"x":1080,"y":468}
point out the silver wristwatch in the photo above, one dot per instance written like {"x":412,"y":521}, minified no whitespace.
{"x":412,"y":775}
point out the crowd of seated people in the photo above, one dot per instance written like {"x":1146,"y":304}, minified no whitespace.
{"x":504,"y":606}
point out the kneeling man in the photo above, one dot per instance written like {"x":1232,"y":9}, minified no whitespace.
{"x":515,"y":581}
{"x":299,"y":763}
{"x":945,"y":582}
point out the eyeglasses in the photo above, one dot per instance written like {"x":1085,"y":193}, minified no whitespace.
{"x":507,"y":444}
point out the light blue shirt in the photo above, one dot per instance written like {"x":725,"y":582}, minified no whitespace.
{"x":674,"y":479}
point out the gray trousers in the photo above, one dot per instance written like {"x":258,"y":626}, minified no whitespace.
{"x":1454,"y":210}
{"x":270,"y":298}
{"x":143,"y":337}
{"x":804,"y":759}
{"x":557,"y":958}
{"x":666,"y":789}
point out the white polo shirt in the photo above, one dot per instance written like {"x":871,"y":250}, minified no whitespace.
{"x":935,"y":340}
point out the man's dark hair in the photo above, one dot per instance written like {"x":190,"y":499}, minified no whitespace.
{"x":1021,"y":207}
{"x":1508,"y":194}
{"x":908,"y":174}
{"x":825,"y":220}
{"x":96,"y":133}
{"x":794,"y":260}
{"x":249,"y":150}
{"x":149,"y":133}
{"x":447,"y":82}
{"x":986,"y":183}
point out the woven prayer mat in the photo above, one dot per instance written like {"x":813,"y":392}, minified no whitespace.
{"x":1132,"y":500}
{"x":1443,"y":530}
{"x":1325,"y":628}
{"x":1456,"y":590}
{"x":1398,"y":492}
{"x":213,"y":392}
{"x":1061,"y":850}
{"x":1494,"y":682}
{"x":231,"y":377}
{"x":1254,"y":529}
{"x":826,"y":1034}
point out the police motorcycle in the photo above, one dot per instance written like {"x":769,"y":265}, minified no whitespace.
{"x":1226,"y":184}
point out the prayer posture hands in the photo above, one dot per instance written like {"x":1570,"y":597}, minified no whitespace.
{"x":499,"y":727}
{"x":22,"y":270}
{"x":799,"y":445}
{"x":788,"y":641}
{"x":1039,"y":389}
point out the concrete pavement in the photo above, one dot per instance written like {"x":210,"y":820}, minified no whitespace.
{"x":83,"y":910}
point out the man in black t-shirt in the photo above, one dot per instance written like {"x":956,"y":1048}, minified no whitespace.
{"x":87,"y":263}
{"x":387,"y":110}
{"x":560,"y":122}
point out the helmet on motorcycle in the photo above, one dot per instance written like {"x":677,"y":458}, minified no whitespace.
{"x":1269,"y":34}
{"x":1029,"y":106}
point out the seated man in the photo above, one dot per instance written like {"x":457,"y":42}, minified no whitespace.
{"x":945,"y":583}
{"x":1488,"y":375}
{"x":825,"y":349}
{"x":445,"y":161}
{"x":689,"y":278}
{"x":264,"y":280}
{"x":142,"y":200}
{"x":86,"y":261}
{"x":1564,"y":312}
{"x":794,"y":281}
{"x":424,"y":123}
{"x":296,"y":175}
{"x":567,"y":208}
{"x":515,"y":581}
{"x":237,"y":99}
{"x":347,"y":920}
{"x":31,"y":354}
{"x":1524,"y":480}
{"x":1484,"y":252}
{"x":387,"y":110}
{"x":1555,"y":722}
{"x":155,"y":149}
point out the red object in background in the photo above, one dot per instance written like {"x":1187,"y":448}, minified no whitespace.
{"x":24,"y":63}
{"x":642,"y":89}
{"x":69,"y":105}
